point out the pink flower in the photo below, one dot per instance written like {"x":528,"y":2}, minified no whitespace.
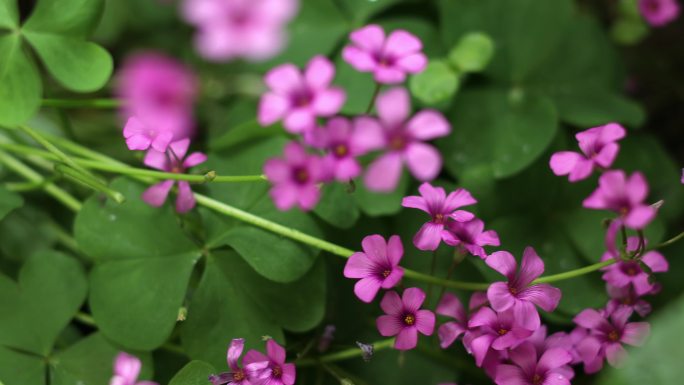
{"x":343,"y":142}
{"x":623,"y":195}
{"x":519,"y":293}
{"x":625,"y":296}
{"x":659,"y":12}
{"x":388,"y":58}
{"x":527,"y":369}
{"x":450,"y":306}
{"x":298,"y":98}
{"x":140,"y":136}
{"x":231,"y":29}
{"x":404,"y":141}
{"x":608,"y":331}
{"x":237,"y":375}
{"x":434,"y":201}
{"x":295,"y":178}
{"x":404,"y":318}
{"x":160,"y":92}
{"x":625,"y":273}
{"x":470,"y":236}
{"x":269,"y":369}
{"x":599,"y":149}
{"x":495,"y":330}
{"x":126,"y":371}
{"x":560,"y":340}
{"x":172,"y":160}
{"x":377,"y":266}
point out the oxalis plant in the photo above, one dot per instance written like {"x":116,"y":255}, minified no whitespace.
{"x":279,"y":192}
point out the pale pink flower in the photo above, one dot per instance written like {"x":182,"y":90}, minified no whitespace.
{"x":494,"y":330}
{"x":140,"y":136}
{"x":126,"y":371}
{"x":659,"y":12}
{"x":404,"y":318}
{"x":629,"y":273}
{"x":450,"y":306}
{"x":377,"y":266}
{"x":269,"y":369}
{"x":625,"y":196}
{"x":530,"y":367}
{"x":237,"y":375}
{"x":470,"y":236}
{"x":232,"y":29}
{"x":626,"y":296}
{"x":389,"y":58}
{"x":298,"y":98}
{"x":160,"y":92}
{"x":404,"y":141}
{"x":172,"y":160}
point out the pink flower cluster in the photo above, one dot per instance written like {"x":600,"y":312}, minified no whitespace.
{"x":257,"y":368}
{"x":329,"y":146}
{"x":231,"y":29}
{"x":158,"y":95}
{"x":126,"y":371}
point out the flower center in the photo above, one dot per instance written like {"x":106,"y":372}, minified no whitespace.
{"x":614,"y":336}
{"x":276,"y":371}
{"x":397,"y":143}
{"x":537,"y":379}
{"x":628,"y":301}
{"x":239,"y":375}
{"x":502,"y":332}
{"x":409,"y":319}
{"x":440,"y":219}
{"x":341,"y":151}
{"x":386,"y":273}
{"x":301,"y":175}
{"x":631,"y":269}
{"x":513,"y":290}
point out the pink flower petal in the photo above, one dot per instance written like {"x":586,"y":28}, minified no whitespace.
{"x":425,"y":322}
{"x":429,"y":236}
{"x":272,"y":108}
{"x":319,"y":72}
{"x":138,"y":142}
{"x":635,"y":333}
{"x":503,"y":262}
{"x":284,"y":195}
{"x":451,"y":306}
{"x":289,"y":374}
{"x":531,"y":267}
{"x":483,"y":317}
{"x":640,"y":216}
{"x":156,"y":159}
{"x":299,"y":120}
{"x":428,"y":125}
{"x":611,"y":132}
{"x":391,"y":303}
{"x":393,"y":279}
{"x":308,"y":197}
{"x":134,"y":126}
{"x":423,"y":160}
{"x":275,"y":352}
{"x":389,"y":75}
{"x":284,"y":79}
{"x":637,"y":187}
{"x":358,"y":58}
{"x":413,"y":299}
{"x":329,"y":101}
{"x":389,"y":325}
{"x":407,"y":339}
{"x":394,"y":106}
{"x":458,"y":198}
{"x":375,"y":248}
{"x":615,"y":354}
{"x":607,"y":155}
{"x":553,"y":358}
{"x":590,"y":319}
{"x":480,"y":346}
{"x":499,"y":295}
{"x":395,"y":250}
{"x":127,"y":366}
{"x":368,"y":135}
{"x":413,"y":64}
{"x":543,"y":295}
{"x":185,"y":200}
{"x":234,"y":352}
{"x":511,"y":375}
{"x":162,"y":140}
{"x":179,"y":148}
{"x":415,"y":202}
{"x":194,"y":159}
{"x":448,"y":333}
{"x":367,"y":288}
{"x":358,"y":266}
{"x":370,"y":38}
{"x":401,"y":43}
{"x":526,"y":315}
{"x":563,"y":162}
{"x":156,"y":194}
{"x":384,"y":173}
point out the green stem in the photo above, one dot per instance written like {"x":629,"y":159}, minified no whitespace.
{"x":574,"y":273}
{"x":433,"y":265}
{"x":378,"y":86}
{"x":669,"y":241}
{"x":82,"y":103}
{"x":345,"y":354}
{"x":89,"y":182}
{"x":32,"y":176}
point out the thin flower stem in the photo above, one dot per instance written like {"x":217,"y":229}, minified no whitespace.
{"x":433,"y":264}
{"x":82,"y":103}
{"x":29,"y":174}
{"x":670,"y":241}
{"x":89,"y":182}
{"x":378,"y":86}
{"x":575,"y":273}
{"x":345,"y":354}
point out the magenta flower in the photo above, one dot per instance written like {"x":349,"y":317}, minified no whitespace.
{"x":377,"y":266}
{"x":450,"y":306}
{"x":659,"y":12}
{"x":496,"y":330}
{"x":295,"y":178}
{"x":519,"y":293}
{"x":231,"y":29}
{"x":160,"y":92}
{"x":561,"y":340}
{"x":625,"y":273}
{"x":175,"y":161}
{"x":526,"y":369}
{"x":388,"y":58}
{"x":404,"y":141}
{"x":269,"y":369}
{"x":608,"y":331}
{"x":404,"y":318}
{"x":434,"y":201}
{"x":237,"y":375}
{"x":470,"y":236}
{"x":126,"y":371}
{"x":599,"y":149}
{"x":343,"y":142}
{"x":625,"y":296}
{"x":624,"y":196}
{"x":140,"y":136}
{"x":298,"y":98}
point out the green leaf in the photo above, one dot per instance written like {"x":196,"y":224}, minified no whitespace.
{"x":194,"y":373}
{"x":504,"y":130}
{"x":594,"y":107}
{"x":77,"y":18}
{"x":9,"y":16}
{"x":437,"y":84}
{"x":50,"y":283}
{"x":472,"y":53}
{"x":78,"y":65}
{"x":376,"y":204}
{"x":21,"y":88}
{"x":106,"y":230}
{"x":20,"y":369}
{"x":26,"y":231}
{"x":337,"y":206}
{"x":130,"y":311}
{"x":659,"y":361}
{"x":90,"y":362}
{"x":9,"y":201}
{"x":362,"y":10}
